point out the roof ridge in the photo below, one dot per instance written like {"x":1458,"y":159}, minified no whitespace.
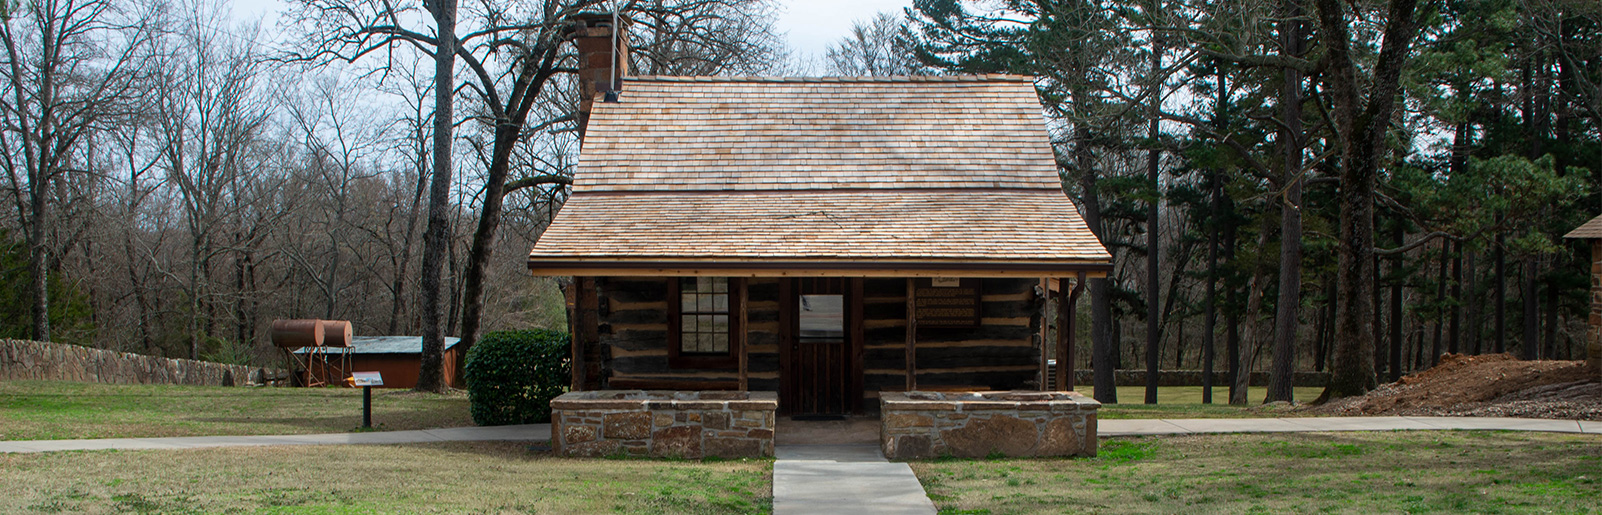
{"x":989,"y":77}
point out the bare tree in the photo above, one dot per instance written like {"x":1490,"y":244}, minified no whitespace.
{"x":69,"y":65}
{"x":210,"y":113}
{"x":878,"y":46}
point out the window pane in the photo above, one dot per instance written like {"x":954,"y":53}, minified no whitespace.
{"x":720,"y":284}
{"x":720,"y":324}
{"x":720,"y":342}
{"x":686,"y":332}
{"x":705,"y":342}
{"x":718,"y":303}
{"x":687,"y":284}
{"x":822,"y":317}
{"x":687,"y":302}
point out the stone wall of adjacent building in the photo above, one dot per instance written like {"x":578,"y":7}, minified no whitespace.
{"x":725,"y":424}
{"x":978,"y":424}
{"x":32,"y":360}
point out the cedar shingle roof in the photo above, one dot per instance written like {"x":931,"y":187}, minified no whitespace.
{"x":1588,"y":230}
{"x":747,"y":171}
{"x":676,"y":134}
{"x":856,"y":224}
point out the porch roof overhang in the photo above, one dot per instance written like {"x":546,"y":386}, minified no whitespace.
{"x":828,"y":233}
{"x":668,"y":267}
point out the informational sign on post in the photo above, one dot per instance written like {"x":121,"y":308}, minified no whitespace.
{"x":366,"y":379}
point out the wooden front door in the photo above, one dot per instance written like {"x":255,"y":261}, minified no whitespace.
{"x":822,"y":372}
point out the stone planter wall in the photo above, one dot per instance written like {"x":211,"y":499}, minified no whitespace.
{"x":978,"y":424}
{"x":663,"y":423}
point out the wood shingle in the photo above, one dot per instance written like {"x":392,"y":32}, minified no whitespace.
{"x":751,"y":170}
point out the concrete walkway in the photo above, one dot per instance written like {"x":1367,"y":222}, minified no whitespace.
{"x":1183,"y":426}
{"x":844,"y":479}
{"x":1105,"y":428}
{"x":530,"y":432}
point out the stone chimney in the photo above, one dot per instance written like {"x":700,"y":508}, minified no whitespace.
{"x":601,"y":70}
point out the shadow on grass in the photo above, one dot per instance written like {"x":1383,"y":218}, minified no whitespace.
{"x":384,"y":419}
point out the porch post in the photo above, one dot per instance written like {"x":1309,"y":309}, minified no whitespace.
{"x":1045,"y":334}
{"x":742,"y":334}
{"x":1067,"y":307}
{"x":575,"y":319}
{"x":912,"y":334}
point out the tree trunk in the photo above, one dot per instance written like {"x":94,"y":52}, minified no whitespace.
{"x":1103,"y":353}
{"x":1253,"y":327}
{"x":1232,"y":321}
{"x":39,"y":256}
{"x":1210,"y":304}
{"x":1362,"y":126}
{"x":1454,"y":327}
{"x":535,"y":70}
{"x":1440,"y":302}
{"x":431,"y":374}
{"x":398,"y":284}
{"x":1501,"y":289}
{"x":1290,"y":249}
{"x":1382,"y":354}
{"x":1153,"y":223}
{"x":1473,"y":306}
{"x":1532,"y":317}
{"x":1398,"y":260}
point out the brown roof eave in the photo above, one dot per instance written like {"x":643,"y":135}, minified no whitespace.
{"x":816,"y":268}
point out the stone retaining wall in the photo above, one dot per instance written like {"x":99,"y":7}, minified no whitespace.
{"x":663,"y":423}
{"x":978,"y":424}
{"x":1132,"y":377}
{"x":32,"y":360}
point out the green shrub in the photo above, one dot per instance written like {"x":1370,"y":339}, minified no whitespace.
{"x":513,"y":375}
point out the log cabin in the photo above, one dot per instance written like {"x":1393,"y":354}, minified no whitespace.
{"x":826,"y":238}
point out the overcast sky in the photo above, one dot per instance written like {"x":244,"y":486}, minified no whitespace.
{"x":811,"y":25}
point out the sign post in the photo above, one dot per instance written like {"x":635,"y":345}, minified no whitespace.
{"x":367,"y":380}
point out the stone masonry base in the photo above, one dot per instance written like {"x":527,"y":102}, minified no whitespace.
{"x":979,"y":424}
{"x":689,"y":425}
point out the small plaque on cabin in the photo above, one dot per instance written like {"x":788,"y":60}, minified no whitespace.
{"x":950,"y":303}
{"x":366,"y":379}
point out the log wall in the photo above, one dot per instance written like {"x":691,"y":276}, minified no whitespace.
{"x":1003,"y":353}
{"x":633,"y":338}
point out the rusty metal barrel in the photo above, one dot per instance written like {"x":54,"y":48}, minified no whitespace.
{"x":294,"y":334}
{"x":336,"y":333}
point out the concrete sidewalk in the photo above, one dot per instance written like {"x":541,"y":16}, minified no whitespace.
{"x":1105,"y":428}
{"x":840,"y":479}
{"x":1184,"y":426}
{"x":530,"y":432}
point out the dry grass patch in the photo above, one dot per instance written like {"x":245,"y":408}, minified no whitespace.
{"x":1391,"y":472}
{"x":484,"y":477}
{"x":57,"y":410}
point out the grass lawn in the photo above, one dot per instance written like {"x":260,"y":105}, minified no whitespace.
{"x":1186,"y":402}
{"x":487,"y":477}
{"x":1390,"y":472}
{"x":50,"y":410}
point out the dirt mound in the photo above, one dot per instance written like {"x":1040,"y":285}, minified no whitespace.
{"x":1489,"y":385}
